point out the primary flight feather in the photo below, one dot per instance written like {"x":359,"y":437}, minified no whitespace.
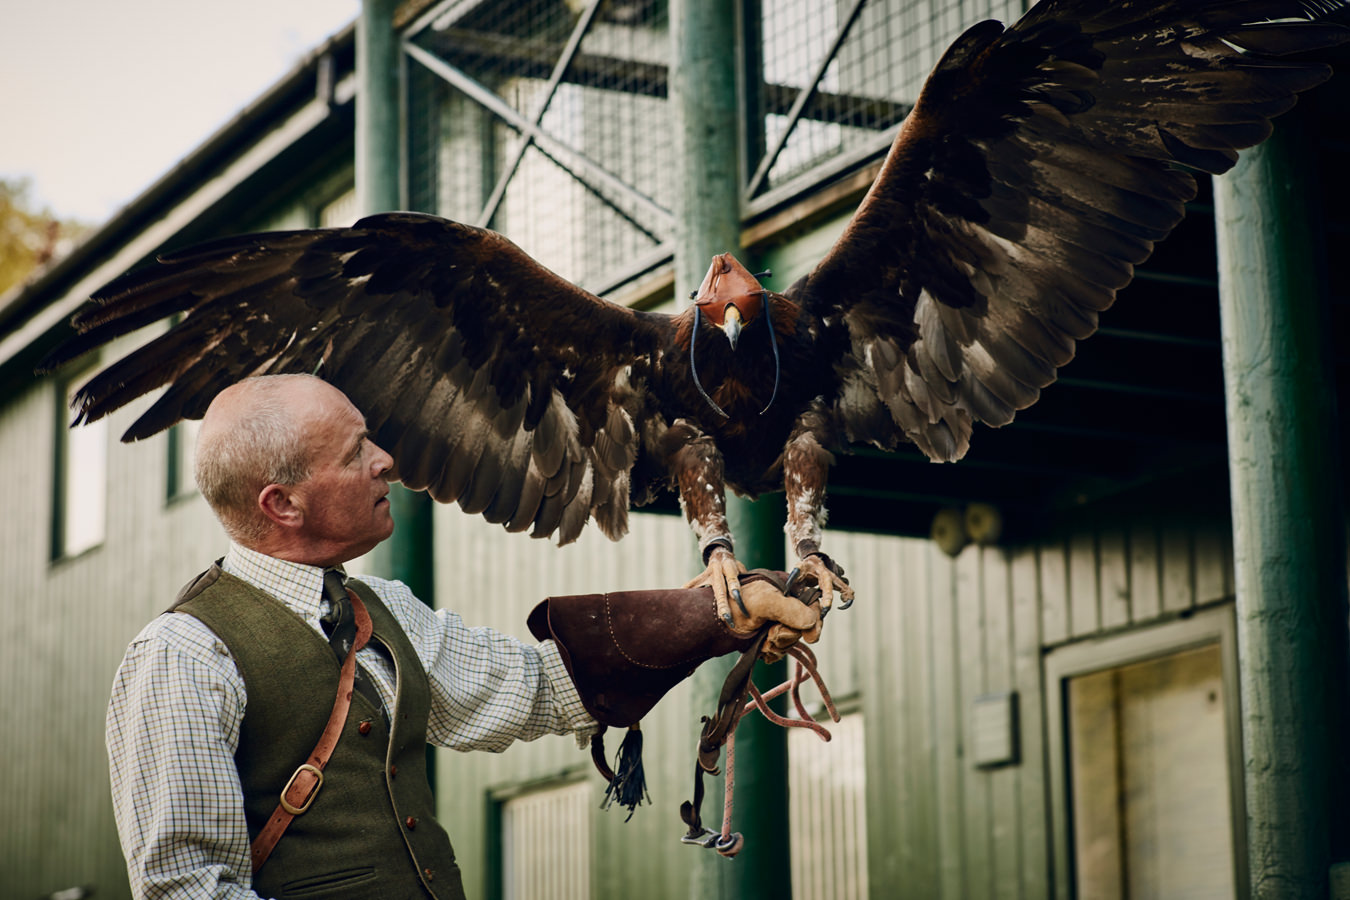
{"x":1039,"y":166}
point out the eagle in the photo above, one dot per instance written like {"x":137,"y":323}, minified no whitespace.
{"x":1040,"y":164}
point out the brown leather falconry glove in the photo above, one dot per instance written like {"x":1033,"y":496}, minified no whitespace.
{"x":625,"y":650}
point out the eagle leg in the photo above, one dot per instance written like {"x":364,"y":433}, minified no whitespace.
{"x":806,"y":468}
{"x":700,"y":478}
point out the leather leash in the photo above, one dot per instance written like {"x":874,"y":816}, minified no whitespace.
{"x":720,"y":730}
{"x":304,"y":784}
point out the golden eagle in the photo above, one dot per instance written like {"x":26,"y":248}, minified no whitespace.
{"x":1039,"y":166}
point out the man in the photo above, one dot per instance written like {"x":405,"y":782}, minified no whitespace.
{"x":220,"y":701}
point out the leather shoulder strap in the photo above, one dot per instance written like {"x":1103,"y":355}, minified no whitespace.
{"x":304,"y":785}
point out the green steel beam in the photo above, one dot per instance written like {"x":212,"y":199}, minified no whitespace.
{"x":1288,"y":517}
{"x":707,"y":222}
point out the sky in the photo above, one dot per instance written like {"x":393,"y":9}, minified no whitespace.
{"x":99,"y":98}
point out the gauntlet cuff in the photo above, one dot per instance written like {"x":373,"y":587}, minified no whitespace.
{"x":626,"y":650}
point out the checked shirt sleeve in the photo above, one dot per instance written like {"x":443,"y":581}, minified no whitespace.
{"x":172,"y":729}
{"x":488,"y":689}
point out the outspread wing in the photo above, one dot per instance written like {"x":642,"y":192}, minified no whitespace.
{"x":492,"y":381}
{"x":1037,"y":169}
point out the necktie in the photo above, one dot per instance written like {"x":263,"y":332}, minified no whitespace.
{"x":339,"y":623}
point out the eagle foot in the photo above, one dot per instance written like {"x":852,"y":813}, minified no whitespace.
{"x":829,"y":576}
{"x":723,"y":576}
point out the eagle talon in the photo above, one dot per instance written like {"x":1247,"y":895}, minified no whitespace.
{"x":829,"y":576}
{"x":723,"y":576}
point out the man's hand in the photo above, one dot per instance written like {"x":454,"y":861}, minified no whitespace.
{"x":792,"y":618}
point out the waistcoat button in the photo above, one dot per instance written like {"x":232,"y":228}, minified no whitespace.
{"x":364,"y":727}
{"x":411,"y":822}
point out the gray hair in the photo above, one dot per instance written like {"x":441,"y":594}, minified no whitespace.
{"x":265,"y":445}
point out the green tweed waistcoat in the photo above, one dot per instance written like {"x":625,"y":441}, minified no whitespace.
{"x":371,"y":830}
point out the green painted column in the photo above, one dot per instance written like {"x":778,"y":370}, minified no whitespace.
{"x":704,"y":108}
{"x":378,"y":128}
{"x":1288,"y":531}
{"x":408,"y":555}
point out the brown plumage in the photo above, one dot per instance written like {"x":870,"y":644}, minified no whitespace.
{"x":1038,"y":167}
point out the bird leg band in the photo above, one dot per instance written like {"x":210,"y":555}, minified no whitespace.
{"x":713,"y":543}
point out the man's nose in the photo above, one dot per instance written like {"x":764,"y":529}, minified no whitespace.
{"x":383,"y":462}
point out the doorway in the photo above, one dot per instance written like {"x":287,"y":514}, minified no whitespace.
{"x":1147,"y":763}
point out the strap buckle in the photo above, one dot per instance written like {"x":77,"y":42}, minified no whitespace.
{"x":313,"y":791}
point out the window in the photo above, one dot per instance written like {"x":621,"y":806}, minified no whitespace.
{"x":80,"y":491}
{"x":546,"y":844}
{"x":1148,"y":767}
{"x":182,"y":456}
{"x":339,"y":212}
{"x":827,"y":810}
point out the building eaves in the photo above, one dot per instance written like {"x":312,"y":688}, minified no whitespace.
{"x":323,"y":78}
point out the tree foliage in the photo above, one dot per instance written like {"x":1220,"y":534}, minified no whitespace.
{"x":30,"y":238}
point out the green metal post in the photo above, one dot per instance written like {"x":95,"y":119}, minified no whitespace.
{"x":407,"y":556}
{"x":704,"y":106}
{"x":1288,"y":532}
{"x":377,"y":108}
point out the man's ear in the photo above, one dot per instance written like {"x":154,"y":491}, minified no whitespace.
{"x":281,"y":506}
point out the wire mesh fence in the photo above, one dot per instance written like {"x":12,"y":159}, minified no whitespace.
{"x":547,"y":119}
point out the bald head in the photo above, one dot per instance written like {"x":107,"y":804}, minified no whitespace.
{"x":253,"y":435}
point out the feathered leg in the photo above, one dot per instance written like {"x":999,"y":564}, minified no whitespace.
{"x":806,"y":467}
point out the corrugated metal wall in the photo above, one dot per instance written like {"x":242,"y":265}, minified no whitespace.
{"x":944,"y":632}
{"x":927,"y":636}
{"x":68,"y":625}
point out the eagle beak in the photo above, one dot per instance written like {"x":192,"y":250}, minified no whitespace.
{"x":731,"y":325}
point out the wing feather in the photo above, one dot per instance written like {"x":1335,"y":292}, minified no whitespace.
{"x":1039,"y":167}
{"x":492,"y":381}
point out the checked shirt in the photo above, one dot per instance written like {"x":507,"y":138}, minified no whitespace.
{"x":178,"y":700}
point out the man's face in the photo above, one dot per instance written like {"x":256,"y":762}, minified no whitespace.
{"x":346,"y":497}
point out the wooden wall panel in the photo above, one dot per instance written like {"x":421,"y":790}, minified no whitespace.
{"x":1145,"y":572}
{"x":969,"y":637}
{"x":1028,"y":678}
{"x":1054,"y":585}
{"x":1113,"y":574}
{"x":1082,"y":562}
{"x":1004,"y":826}
{"x":1178,"y":568}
